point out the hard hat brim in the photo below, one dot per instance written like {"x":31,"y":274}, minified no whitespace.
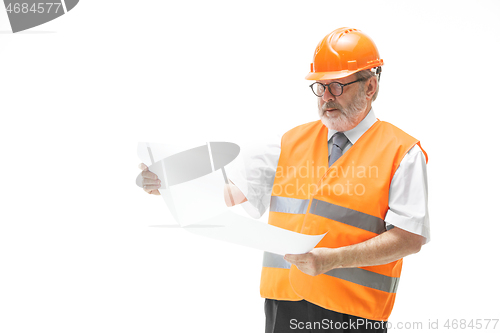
{"x":339,"y":74}
{"x":328,"y":75}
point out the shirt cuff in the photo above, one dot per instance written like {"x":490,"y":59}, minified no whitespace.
{"x":414,"y":224}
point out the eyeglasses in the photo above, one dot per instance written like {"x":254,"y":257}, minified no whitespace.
{"x":335,"y":88}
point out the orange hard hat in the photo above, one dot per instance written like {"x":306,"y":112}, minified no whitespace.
{"x":343,"y":52}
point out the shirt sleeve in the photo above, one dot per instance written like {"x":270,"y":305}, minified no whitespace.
{"x":253,"y":174}
{"x":408,"y":207}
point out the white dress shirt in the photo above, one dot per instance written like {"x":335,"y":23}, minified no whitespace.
{"x":407,"y":194}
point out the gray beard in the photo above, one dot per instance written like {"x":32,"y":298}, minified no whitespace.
{"x":350,"y":115}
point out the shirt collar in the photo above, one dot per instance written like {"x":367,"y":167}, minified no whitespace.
{"x":354,"y":134}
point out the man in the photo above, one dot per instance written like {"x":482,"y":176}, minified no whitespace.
{"x":360,"y":180}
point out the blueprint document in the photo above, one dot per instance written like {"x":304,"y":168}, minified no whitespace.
{"x":193,"y":182}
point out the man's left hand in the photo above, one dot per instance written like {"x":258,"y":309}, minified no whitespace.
{"x":318,"y":261}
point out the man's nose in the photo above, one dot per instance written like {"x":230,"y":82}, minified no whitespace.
{"x":327,"y":95}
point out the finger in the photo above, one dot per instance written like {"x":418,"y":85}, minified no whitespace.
{"x":151,"y":187}
{"x":149,"y":181}
{"x":143,"y":166}
{"x":287,"y":258}
{"x":149,"y":175}
{"x":155,"y":192}
{"x":295,"y":258}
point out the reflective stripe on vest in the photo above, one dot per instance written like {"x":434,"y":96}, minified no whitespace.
{"x":366,"y":278}
{"x":355,"y":275}
{"x":274,"y":260}
{"x":330,"y":211}
{"x":347,"y":216}
{"x":288,"y":205}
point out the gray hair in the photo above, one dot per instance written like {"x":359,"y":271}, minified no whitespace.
{"x":365,"y":75}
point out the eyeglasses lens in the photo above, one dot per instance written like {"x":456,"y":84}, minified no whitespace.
{"x":319,"y":89}
{"x":336,"y":89}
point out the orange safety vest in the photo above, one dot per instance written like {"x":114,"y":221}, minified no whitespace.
{"x":349,"y":200}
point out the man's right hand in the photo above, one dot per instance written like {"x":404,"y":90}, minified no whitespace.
{"x":150,"y":181}
{"x":233,"y":195}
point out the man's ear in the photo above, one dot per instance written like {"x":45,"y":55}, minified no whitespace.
{"x":371,"y":86}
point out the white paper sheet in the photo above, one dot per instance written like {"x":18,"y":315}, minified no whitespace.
{"x":198,"y":206}
{"x":199,"y":199}
{"x":240,"y":230}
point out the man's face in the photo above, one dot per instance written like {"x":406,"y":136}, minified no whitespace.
{"x":343,"y":112}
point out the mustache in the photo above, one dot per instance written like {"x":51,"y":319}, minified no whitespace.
{"x":331,"y":105}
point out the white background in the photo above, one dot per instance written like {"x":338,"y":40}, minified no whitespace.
{"x":77,"y":253}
